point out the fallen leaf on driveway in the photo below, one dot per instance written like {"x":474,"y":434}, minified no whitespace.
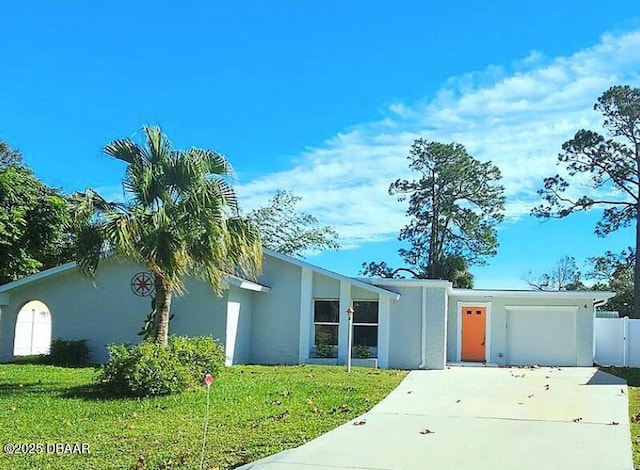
{"x":360,"y":423}
{"x":426,"y":431}
{"x":577,"y":420}
{"x":458,"y":401}
{"x":613,"y":423}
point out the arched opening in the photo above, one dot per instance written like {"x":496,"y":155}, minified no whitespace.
{"x":33,"y":330}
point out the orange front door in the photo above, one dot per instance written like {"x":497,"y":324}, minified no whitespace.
{"x":474,"y":320}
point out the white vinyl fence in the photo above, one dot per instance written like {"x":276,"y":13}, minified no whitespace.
{"x":617,"y":342}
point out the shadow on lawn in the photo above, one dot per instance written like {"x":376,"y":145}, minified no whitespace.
{"x":630,"y":374}
{"x":90,"y":392}
{"x":96,"y":392}
{"x":7,"y":389}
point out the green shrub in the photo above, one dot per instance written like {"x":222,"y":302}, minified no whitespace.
{"x":68,"y":352}
{"x":149,"y":369}
{"x":202,"y":354}
{"x":325,"y":350}
{"x":361,"y":352}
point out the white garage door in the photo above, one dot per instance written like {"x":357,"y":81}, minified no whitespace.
{"x":544,"y":336}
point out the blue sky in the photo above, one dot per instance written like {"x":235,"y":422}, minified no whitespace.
{"x":324,"y":98}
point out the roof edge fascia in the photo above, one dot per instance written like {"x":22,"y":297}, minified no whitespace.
{"x":429,"y":283}
{"x":538,"y":294}
{"x":326,"y":272}
{"x":38,"y":276}
{"x":246,"y":284}
{"x":232,"y":279}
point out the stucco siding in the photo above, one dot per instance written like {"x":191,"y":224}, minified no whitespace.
{"x":585,"y":334}
{"x":325,"y":287}
{"x":106,"y":313}
{"x":199,"y":312}
{"x":436,"y":305}
{"x":275,"y":323}
{"x":238,"y":332}
{"x":358,"y":293}
{"x":405,"y":326}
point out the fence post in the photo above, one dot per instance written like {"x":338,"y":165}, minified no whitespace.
{"x":625,"y":341}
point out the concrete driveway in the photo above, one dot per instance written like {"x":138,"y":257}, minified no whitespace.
{"x":481,"y":418}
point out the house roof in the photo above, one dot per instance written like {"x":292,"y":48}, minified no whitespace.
{"x":397,"y":282}
{"x":37,"y":276}
{"x":246,"y":284}
{"x":507,"y":293}
{"x":326,"y":272}
{"x":573,"y":294}
{"x":232,"y":280}
{"x":370,"y":284}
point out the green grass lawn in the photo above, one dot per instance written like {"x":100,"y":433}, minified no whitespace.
{"x":255,"y":411}
{"x":632,"y":376}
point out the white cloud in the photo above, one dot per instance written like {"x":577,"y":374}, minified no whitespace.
{"x":516,"y":116}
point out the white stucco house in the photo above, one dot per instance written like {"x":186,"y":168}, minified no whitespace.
{"x":295,"y":306}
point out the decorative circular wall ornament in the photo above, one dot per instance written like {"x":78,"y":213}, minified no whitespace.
{"x":142,"y":284}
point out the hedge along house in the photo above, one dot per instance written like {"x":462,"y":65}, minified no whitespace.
{"x":296,"y":312}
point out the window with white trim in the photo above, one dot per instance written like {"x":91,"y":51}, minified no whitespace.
{"x":365,"y":325}
{"x":326,"y":320}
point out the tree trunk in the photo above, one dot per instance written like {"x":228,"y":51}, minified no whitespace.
{"x":163,"y":304}
{"x":635,"y":313}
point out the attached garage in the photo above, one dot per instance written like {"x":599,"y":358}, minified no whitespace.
{"x":520,"y":328}
{"x":541,"y":335}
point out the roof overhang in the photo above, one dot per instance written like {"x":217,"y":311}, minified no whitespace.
{"x":246,"y":284}
{"x":391,"y":282}
{"x":38,"y":276}
{"x":326,"y":272}
{"x":514,"y":294}
{"x":47,"y":273}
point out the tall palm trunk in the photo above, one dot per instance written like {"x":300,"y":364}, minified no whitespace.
{"x":163,"y":305}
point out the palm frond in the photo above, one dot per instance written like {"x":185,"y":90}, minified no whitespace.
{"x":123,"y":149}
{"x":157,"y":145}
{"x":88,"y":249}
{"x":210,"y":162}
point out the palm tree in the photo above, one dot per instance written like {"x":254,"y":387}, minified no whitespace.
{"x":181,"y":218}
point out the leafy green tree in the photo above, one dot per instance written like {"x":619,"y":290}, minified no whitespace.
{"x":288,"y":231}
{"x":614,"y":272}
{"x":8,"y":155}
{"x":36,"y":230}
{"x":181,"y":218}
{"x":381,"y":269}
{"x":455,"y":204}
{"x":453,"y":268}
{"x":563,"y":276}
{"x":610,"y":165}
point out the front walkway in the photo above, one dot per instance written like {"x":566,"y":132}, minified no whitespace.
{"x":481,"y":418}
